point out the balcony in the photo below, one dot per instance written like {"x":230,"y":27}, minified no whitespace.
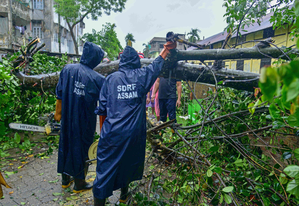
{"x":18,"y":9}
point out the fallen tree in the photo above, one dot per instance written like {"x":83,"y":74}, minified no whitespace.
{"x":184,"y":71}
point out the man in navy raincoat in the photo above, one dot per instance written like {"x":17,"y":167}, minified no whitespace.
{"x":77,"y":93}
{"x":121,"y":148}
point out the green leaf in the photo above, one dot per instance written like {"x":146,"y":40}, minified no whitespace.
{"x":274,"y":112}
{"x":266,"y":201}
{"x":23,"y":203}
{"x":293,"y":90}
{"x":221,"y":199}
{"x":269,"y":83}
{"x":57,"y":194}
{"x":227,"y":199}
{"x":293,"y":187}
{"x":17,"y":138}
{"x":283,"y":179}
{"x":292,"y":170}
{"x":278,"y":124}
{"x":228,"y":189}
{"x":218,"y":170}
{"x":293,"y":119}
{"x":239,"y":162}
{"x":214,"y":149}
{"x":296,"y":153}
{"x":251,"y":108}
{"x":209,"y":173}
{"x":275,"y":197}
{"x":9,"y":173}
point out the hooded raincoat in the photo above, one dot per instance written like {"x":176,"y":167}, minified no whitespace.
{"x":78,"y":88}
{"x":121,"y":148}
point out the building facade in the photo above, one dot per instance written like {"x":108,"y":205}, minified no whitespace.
{"x":23,"y":20}
{"x":14,"y":18}
{"x":254,"y":32}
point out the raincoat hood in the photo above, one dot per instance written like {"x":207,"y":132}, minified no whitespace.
{"x":129,"y":59}
{"x":92,"y":55}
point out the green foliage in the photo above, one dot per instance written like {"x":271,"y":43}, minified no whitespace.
{"x":21,"y":105}
{"x":129,"y":37}
{"x":107,"y":39}
{"x":146,"y":49}
{"x":185,"y":100}
{"x":242,"y":13}
{"x":43,"y":64}
{"x":74,"y":11}
{"x":193,"y":35}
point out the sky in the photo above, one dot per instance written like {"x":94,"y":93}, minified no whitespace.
{"x":146,"y":19}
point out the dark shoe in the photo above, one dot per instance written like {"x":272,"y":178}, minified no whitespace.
{"x":66,"y":181}
{"x":99,"y":202}
{"x":86,"y":168}
{"x":124,"y":195}
{"x":81,"y":186}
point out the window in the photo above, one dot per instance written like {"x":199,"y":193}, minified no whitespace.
{"x":161,"y":46}
{"x":269,"y":32}
{"x":37,"y":32}
{"x":3,"y":25}
{"x":265,"y":62}
{"x":55,"y":37}
{"x":38,"y":4}
{"x":240,"y":65}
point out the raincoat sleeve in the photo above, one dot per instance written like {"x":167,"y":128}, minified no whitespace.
{"x":59,"y":85}
{"x":101,"y":109}
{"x":148,"y":75}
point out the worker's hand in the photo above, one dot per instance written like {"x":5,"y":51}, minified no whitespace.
{"x":178,"y":103}
{"x":57,"y":115}
{"x":148,"y":100}
{"x":102,"y":119}
{"x":153,"y":98}
{"x":169,"y":45}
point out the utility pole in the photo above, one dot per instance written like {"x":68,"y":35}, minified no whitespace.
{"x":59,"y":34}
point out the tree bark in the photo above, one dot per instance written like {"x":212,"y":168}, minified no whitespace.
{"x":222,"y":54}
{"x":73,"y":36}
{"x":183,"y":71}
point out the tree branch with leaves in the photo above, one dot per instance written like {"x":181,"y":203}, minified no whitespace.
{"x":75,"y":11}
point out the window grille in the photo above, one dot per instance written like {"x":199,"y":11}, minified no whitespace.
{"x":37,"y":32}
{"x":38,"y":4}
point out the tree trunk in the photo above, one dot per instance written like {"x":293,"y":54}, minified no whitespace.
{"x":184,"y":71}
{"x":73,"y":36}
{"x":222,"y":54}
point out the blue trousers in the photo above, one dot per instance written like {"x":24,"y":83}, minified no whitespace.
{"x":167,"y":106}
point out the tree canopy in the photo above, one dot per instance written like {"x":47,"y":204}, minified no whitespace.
{"x":107,"y":39}
{"x":146,"y":49}
{"x":241,"y":13}
{"x":193,"y":35}
{"x":74,"y":11}
{"x":129,"y":37}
